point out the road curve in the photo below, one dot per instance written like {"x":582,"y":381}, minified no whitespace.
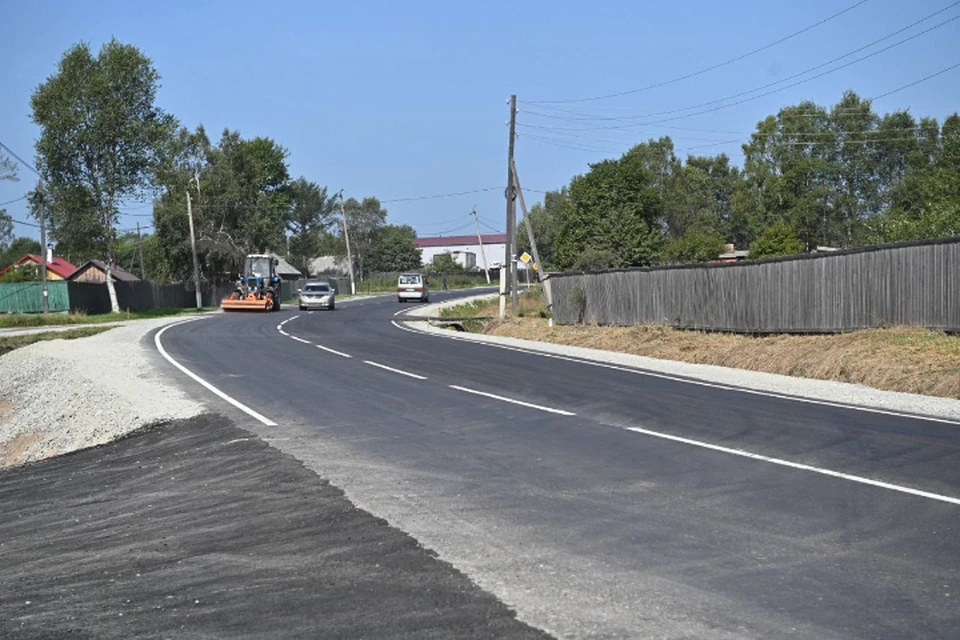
{"x":599,"y":501}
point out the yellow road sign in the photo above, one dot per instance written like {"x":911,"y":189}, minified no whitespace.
{"x":525,"y":257}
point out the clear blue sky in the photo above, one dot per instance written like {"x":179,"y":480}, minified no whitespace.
{"x":407,"y":99}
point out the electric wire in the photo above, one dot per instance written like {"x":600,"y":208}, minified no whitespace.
{"x":707,"y":69}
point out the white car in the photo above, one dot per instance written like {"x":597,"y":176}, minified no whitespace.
{"x":412,"y":286}
{"x":317,"y":295}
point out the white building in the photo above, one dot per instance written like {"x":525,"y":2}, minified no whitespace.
{"x":494,"y":249}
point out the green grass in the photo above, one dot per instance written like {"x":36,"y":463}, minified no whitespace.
{"x":51,"y":319}
{"x":10,"y":343}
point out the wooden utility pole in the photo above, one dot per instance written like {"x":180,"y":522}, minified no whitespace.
{"x":483,"y":256}
{"x":533,"y":242}
{"x":511,"y":243}
{"x":143,"y":275}
{"x":193,"y":249}
{"x":346,"y":237}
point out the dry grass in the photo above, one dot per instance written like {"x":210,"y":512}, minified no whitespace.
{"x":15,"y":451}
{"x":896,"y":359}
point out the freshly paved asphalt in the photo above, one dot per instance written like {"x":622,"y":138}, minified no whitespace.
{"x":590,"y":528}
{"x":583,"y":526}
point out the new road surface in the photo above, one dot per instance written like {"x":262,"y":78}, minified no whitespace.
{"x":598,"y":500}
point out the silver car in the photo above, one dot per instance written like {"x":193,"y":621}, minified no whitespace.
{"x":317,"y":295}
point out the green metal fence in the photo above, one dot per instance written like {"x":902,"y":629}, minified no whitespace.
{"x":27,"y":297}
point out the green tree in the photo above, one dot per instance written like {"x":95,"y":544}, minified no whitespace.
{"x":17,"y":249}
{"x":544,"y":219}
{"x":779,"y":239}
{"x":311,"y":214}
{"x":100,"y":139}
{"x":396,"y":249}
{"x":365,"y":219}
{"x":697,"y":245}
{"x":240,"y":195}
{"x":8,"y":171}
{"x":614,"y":211}
{"x":444,"y":263}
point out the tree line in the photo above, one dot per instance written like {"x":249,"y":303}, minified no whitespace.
{"x":812,"y":176}
{"x":104,"y":142}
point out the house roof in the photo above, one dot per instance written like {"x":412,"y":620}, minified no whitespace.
{"x":452,"y":241}
{"x":284,"y":268}
{"x":58,"y":265}
{"x":120,"y":274}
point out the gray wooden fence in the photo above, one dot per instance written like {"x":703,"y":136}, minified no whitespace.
{"x":914,"y":284}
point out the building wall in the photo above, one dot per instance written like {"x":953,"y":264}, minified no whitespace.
{"x":493,"y":252}
{"x":90,"y":274}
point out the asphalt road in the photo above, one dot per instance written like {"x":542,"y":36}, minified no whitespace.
{"x":600,"y":501}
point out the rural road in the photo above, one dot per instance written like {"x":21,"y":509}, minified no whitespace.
{"x":599,"y":501}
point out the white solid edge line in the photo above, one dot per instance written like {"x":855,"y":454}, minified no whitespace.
{"x":512,"y":401}
{"x":239,"y":405}
{"x":800,"y":466}
{"x":299,"y":339}
{"x":702,"y":383}
{"x":401,"y":372}
{"x":334,"y":351}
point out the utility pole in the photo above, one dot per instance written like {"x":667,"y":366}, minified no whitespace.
{"x":193,"y":249}
{"x":143,"y":275}
{"x":511,"y":242}
{"x":346,"y":237}
{"x":483,"y":255}
{"x":533,"y":242}
{"x":41,"y":211}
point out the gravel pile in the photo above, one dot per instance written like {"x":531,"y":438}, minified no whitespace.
{"x":64,"y":395}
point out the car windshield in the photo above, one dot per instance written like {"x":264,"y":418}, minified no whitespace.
{"x":317,"y":288}
{"x":409,"y":279}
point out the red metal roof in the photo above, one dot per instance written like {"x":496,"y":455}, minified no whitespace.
{"x":450,"y":241}
{"x":59,"y":266}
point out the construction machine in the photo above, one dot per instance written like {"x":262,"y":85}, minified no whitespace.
{"x":258,"y":287}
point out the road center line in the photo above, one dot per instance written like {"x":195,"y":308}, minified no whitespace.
{"x":236,"y":403}
{"x":512,"y":401}
{"x":300,"y":340}
{"x":334,"y":351}
{"x":798,"y":465}
{"x":403,"y":373}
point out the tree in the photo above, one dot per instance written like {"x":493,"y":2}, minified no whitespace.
{"x":17,"y":249}
{"x":240,"y":196}
{"x":364,"y":219}
{"x":396,"y":249}
{"x":614,"y":211}
{"x":697,"y":245}
{"x":311,"y":214}
{"x":544,"y":219}
{"x":8,"y":171}
{"x":444,"y":263}
{"x":100,"y":141}
{"x":779,"y":239}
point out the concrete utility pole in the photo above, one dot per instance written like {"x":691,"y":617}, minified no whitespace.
{"x":346,"y":237}
{"x":483,"y":256}
{"x":193,"y":249}
{"x":511,"y":242}
{"x":42,"y":213}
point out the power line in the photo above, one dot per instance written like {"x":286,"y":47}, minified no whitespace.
{"x":707,"y":69}
{"x":761,"y":95}
{"x":19,"y":159}
{"x":441,"y":195}
{"x":27,"y":224}
{"x":24,"y":197}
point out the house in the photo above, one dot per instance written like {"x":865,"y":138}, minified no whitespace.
{"x":285,"y":270}
{"x":328,"y":265}
{"x":96,"y":271}
{"x":494,"y":249}
{"x":732,"y":254}
{"x":57,"y":267}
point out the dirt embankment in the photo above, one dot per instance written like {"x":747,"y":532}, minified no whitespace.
{"x":896,"y":359}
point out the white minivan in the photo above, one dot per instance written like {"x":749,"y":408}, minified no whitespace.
{"x":412,"y":286}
